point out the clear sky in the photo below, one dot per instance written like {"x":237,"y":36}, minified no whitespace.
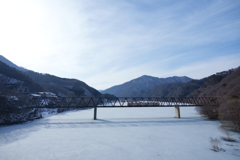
{"x":109,"y":42}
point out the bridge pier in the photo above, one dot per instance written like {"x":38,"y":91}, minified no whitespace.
{"x":95,"y":113}
{"x":177,"y":112}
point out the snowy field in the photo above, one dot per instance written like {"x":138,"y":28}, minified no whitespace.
{"x":118,"y":134}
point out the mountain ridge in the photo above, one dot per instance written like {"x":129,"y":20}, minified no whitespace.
{"x":222,"y":84}
{"x":13,"y":80}
{"x":9,"y":63}
{"x":138,"y":86}
{"x":46,"y":82}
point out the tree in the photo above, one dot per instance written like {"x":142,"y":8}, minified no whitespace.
{"x":230,"y":112}
{"x":12,"y":110}
{"x":210,"y":112}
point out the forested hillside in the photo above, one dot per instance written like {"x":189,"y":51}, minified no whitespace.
{"x":218,"y":84}
{"x":63,"y":86}
{"x":229,"y":86}
{"x":19,"y":80}
{"x":13,"y":80}
{"x":139,"y":86}
{"x":16,"y":87}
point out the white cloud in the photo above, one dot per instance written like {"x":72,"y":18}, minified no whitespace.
{"x":105,"y":42}
{"x":196,"y":70}
{"x":204,"y":68}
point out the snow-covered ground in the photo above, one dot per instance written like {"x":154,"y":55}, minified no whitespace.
{"x":118,"y":134}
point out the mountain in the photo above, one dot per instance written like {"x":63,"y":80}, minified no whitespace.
{"x":195,"y":87}
{"x":15,"y":81}
{"x":219,"y":84}
{"x":20,"y":80}
{"x":138,"y":87}
{"x":229,"y":86}
{"x":224,"y":83}
{"x":63,"y":86}
{"x":9,"y":63}
{"x":163,"y":90}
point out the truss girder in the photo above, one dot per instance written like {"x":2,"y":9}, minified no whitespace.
{"x":90,"y":102}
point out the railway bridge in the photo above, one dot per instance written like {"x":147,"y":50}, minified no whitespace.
{"x":116,"y":102}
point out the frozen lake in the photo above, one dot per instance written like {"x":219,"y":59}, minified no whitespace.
{"x":119,"y":134}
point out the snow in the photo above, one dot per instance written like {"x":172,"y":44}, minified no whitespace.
{"x":14,"y":98}
{"x":46,"y":112}
{"x":86,"y":92}
{"x":119,"y":134}
{"x":14,"y":81}
{"x":35,"y":95}
{"x":10,"y":80}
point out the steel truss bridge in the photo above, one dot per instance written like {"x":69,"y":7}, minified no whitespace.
{"x":114,"y":102}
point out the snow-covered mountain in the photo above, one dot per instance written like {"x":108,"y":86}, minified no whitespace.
{"x":138,"y":86}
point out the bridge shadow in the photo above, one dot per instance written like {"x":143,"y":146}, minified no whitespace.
{"x":9,"y":134}
{"x":129,"y":122}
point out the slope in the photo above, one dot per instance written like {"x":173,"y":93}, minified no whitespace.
{"x":219,"y":84}
{"x":228,"y":86}
{"x":13,"y":80}
{"x":63,"y":86}
{"x":44,"y":82}
{"x":163,"y":90}
{"x":195,"y":88}
{"x":9,"y":63}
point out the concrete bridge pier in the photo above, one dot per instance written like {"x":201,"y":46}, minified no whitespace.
{"x":177,"y":112}
{"x":95,"y":113}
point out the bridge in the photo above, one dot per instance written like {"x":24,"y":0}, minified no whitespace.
{"x":114,"y":102}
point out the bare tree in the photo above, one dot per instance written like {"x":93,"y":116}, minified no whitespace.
{"x":13,"y":110}
{"x":210,"y":112}
{"x":228,"y":136}
{"x":230,"y":112}
{"x":216,"y":144}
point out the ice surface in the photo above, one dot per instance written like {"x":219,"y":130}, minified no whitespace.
{"x":118,"y":134}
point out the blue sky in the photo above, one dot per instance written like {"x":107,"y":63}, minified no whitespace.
{"x":107,"y":42}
